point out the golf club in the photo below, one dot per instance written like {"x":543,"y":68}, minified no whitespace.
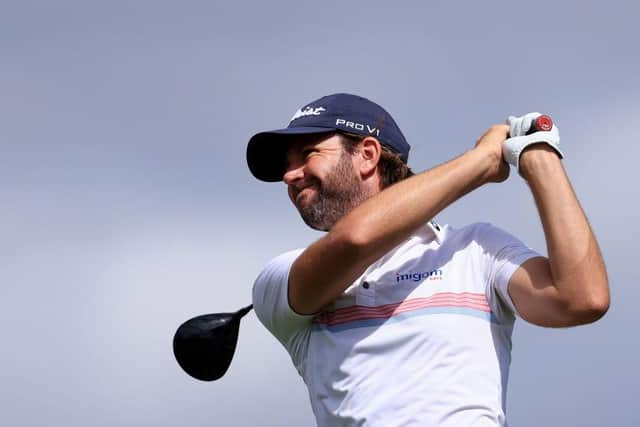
{"x":204,"y":345}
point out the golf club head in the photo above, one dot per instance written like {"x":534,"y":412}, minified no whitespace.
{"x":204,"y":345}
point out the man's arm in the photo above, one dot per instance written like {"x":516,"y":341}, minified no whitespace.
{"x":570,"y":287}
{"x":327,"y":267}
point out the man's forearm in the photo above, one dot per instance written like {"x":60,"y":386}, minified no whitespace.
{"x":575,"y":261}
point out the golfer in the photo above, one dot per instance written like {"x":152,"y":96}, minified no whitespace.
{"x":390,"y":318}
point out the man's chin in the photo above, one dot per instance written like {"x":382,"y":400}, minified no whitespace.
{"x":313,"y":218}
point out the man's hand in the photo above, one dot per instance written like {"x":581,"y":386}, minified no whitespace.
{"x":521,"y":138}
{"x":491,"y":143}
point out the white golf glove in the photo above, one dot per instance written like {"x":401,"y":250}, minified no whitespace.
{"x":513,"y":147}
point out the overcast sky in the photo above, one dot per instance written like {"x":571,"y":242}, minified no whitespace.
{"x":128,"y":207}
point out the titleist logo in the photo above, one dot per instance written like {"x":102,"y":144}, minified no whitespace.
{"x":309,"y":111}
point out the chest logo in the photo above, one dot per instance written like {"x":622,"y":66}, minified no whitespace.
{"x":419,"y":276}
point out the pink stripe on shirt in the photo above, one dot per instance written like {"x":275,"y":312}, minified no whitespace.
{"x":470,"y":300}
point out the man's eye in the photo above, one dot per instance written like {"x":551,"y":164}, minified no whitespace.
{"x":308,"y":151}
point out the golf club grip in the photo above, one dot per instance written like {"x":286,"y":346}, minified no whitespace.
{"x":541,"y":123}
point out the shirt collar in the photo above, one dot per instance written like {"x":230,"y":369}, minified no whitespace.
{"x":436,"y":230}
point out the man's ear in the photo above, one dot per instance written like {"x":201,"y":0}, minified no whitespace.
{"x":370,"y":150}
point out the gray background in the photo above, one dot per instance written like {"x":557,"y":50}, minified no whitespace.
{"x":127,"y":206}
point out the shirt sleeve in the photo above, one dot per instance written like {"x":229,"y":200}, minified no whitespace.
{"x":271,"y":302}
{"x":505,"y":254}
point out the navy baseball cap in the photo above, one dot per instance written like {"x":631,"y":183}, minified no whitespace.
{"x":266,"y":151}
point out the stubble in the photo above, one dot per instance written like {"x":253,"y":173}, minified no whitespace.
{"x":335,"y":197}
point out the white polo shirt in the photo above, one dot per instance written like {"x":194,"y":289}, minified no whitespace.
{"x":422,"y":338}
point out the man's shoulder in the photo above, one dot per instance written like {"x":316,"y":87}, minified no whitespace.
{"x":485,"y":236}
{"x":279,"y":265}
{"x":480,"y":234}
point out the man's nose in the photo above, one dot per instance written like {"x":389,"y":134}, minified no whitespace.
{"x":293,"y":173}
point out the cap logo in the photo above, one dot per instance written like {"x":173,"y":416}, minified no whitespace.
{"x":358,"y":126}
{"x":309,"y":111}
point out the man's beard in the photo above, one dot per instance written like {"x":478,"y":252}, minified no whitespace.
{"x":340,"y":192}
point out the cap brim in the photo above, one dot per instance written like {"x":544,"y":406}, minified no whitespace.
{"x":266,"y":151}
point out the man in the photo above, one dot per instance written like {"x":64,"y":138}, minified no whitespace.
{"x":390,"y":318}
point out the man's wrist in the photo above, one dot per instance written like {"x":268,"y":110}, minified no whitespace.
{"x":538,"y":160}
{"x":491,"y":164}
